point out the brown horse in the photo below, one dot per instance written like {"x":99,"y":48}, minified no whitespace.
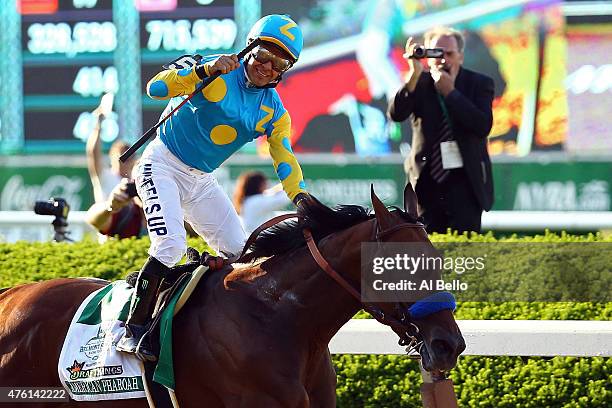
{"x":252,"y":337}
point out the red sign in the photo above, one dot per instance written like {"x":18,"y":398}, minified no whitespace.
{"x":37,"y":6}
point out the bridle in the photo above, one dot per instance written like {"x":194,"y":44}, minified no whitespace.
{"x":399,"y":321}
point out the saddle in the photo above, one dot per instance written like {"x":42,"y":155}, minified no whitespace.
{"x":92,"y":369}
{"x":175,"y":281}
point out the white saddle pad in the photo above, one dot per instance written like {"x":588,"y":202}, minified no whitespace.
{"x":89,"y":366}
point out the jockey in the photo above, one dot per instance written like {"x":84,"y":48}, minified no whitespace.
{"x":174,"y":176}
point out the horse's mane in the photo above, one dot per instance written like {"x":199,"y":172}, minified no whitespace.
{"x":318,"y":218}
{"x":287,"y":236}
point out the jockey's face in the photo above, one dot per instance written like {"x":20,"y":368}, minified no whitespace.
{"x":266,"y":64}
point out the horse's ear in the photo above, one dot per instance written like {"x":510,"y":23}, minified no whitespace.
{"x":383,"y":216}
{"x":410,"y":201}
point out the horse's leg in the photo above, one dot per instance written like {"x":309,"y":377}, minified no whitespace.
{"x":321,"y":382}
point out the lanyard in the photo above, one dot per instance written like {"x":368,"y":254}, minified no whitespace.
{"x":444,"y":110}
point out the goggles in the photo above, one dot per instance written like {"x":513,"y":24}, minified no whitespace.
{"x":262,"y":55}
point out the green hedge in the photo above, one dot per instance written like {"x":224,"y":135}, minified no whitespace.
{"x":27,"y":261}
{"x":508,"y":382}
{"x":384,"y":381}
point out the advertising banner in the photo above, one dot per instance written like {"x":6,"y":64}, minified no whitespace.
{"x":21,"y":186}
{"x":526,"y":186}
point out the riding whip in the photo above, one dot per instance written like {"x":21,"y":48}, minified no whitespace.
{"x":147,"y":135}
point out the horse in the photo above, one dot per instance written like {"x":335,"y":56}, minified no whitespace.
{"x":252,"y":336}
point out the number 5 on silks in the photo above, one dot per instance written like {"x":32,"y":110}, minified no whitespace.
{"x":184,"y":61}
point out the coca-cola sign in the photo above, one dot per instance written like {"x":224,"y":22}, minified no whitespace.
{"x":18,"y":194}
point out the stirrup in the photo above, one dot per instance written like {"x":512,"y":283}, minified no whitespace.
{"x":144,"y":350}
{"x":135,"y":341}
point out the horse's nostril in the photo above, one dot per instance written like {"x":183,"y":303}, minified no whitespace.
{"x":441,"y":348}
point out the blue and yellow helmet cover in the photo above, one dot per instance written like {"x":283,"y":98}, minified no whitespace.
{"x":280,"y":30}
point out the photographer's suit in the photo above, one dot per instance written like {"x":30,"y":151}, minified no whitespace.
{"x":458,"y":201}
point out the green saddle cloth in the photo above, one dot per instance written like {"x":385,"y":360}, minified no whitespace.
{"x":112,"y":302}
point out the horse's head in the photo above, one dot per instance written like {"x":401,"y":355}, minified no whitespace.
{"x":429,"y":320}
{"x":339,"y":233}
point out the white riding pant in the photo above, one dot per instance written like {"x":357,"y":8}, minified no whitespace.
{"x":171,"y":192}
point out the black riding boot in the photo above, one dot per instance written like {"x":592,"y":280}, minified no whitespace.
{"x":141,"y":308}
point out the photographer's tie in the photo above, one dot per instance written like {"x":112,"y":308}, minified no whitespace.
{"x":445,"y":133}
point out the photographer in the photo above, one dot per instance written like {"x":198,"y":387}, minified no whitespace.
{"x":450,"y":112}
{"x":121,"y":214}
{"x":104,"y":177}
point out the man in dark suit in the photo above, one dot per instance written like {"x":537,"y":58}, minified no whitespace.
{"x":450,"y":112}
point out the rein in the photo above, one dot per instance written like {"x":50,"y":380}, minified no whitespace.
{"x":407,"y":331}
{"x":398,"y":325}
{"x":268,"y":224}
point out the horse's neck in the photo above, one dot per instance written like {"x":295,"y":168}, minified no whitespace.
{"x":316,"y":304}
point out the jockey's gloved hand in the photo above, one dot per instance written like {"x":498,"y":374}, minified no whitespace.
{"x":299,"y":199}
{"x":213,"y":262}
{"x":222,"y":65}
{"x":192,"y":255}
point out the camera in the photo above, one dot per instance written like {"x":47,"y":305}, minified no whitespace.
{"x":56,"y":207}
{"x":130,"y":189}
{"x":422,"y":52}
{"x":59,"y":208}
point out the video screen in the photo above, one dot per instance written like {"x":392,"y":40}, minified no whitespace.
{"x":352,"y":64}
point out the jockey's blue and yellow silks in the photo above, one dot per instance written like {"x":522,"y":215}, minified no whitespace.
{"x":222,"y":118}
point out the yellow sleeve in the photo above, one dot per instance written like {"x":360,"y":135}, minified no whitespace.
{"x":286,"y":165}
{"x":173,"y":82}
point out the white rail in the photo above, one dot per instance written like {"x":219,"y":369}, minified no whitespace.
{"x":552,"y":220}
{"x":25,"y":225}
{"x":490,"y":338}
